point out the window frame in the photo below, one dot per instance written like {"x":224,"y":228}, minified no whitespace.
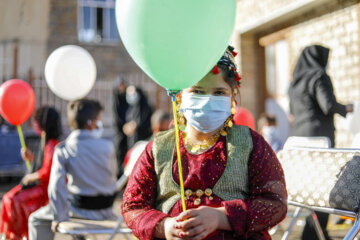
{"x":106,"y":36}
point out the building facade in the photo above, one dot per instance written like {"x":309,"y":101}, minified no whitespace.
{"x":31,"y":29}
{"x":270,"y":35}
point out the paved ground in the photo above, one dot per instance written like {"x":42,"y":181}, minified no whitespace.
{"x":335,"y":231}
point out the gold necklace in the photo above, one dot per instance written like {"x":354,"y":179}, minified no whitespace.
{"x":205,"y":144}
{"x":200,"y":146}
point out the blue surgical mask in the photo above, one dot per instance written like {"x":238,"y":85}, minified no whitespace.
{"x":133,"y":98}
{"x":98,"y":131}
{"x":205,"y":113}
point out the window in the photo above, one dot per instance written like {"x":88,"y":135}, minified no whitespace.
{"x":96,"y":21}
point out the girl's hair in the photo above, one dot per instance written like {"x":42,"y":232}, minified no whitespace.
{"x":81,"y":111}
{"x":231,"y":80}
{"x":49,"y":121}
{"x":228,"y":68}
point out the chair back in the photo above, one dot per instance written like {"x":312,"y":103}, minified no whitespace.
{"x":322,"y":177}
{"x":314,"y":142}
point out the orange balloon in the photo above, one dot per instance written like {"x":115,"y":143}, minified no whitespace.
{"x":17,"y":101}
{"x":243,"y":117}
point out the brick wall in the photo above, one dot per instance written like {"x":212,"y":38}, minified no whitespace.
{"x":111,"y":59}
{"x":250,"y":11}
{"x":340,"y":32}
{"x":334,"y":24}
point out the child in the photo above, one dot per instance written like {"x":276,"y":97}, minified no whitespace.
{"x":84,"y":166}
{"x":268,"y":129}
{"x":31,"y":194}
{"x":234,"y":184}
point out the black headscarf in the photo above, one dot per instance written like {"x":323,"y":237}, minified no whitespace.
{"x":312,"y":60}
{"x":140,"y":112}
{"x":120,"y":105}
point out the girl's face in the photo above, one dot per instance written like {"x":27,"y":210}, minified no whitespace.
{"x":37,"y":128}
{"x":211,"y":84}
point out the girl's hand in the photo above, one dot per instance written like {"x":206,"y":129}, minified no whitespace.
{"x":172,"y":230}
{"x":198,"y":223}
{"x":30,"y":178}
{"x":27,"y":154}
{"x":167,"y":229}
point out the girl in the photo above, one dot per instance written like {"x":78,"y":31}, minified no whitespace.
{"x":234,"y":184}
{"x":31,"y":194}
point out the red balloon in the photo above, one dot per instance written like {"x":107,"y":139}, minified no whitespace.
{"x":17,"y":101}
{"x":243,"y":117}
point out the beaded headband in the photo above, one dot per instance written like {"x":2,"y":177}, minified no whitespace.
{"x":228,"y":60}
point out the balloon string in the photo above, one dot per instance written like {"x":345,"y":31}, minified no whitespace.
{"x":178,"y":155}
{"x":22,"y":141}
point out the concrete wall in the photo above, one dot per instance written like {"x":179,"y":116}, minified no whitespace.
{"x":24,"y":19}
{"x":23,"y":24}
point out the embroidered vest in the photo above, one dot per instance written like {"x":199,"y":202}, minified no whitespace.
{"x":233,"y":184}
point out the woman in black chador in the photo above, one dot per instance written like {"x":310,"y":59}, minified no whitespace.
{"x":313,"y":105}
{"x":138,"y":115}
{"x":120,"y":107}
{"x":312,"y":100}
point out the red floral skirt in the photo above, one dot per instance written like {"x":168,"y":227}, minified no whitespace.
{"x":17,"y":205}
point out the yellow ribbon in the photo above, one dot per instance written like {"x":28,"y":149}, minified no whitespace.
{"x":179,"y":156}
{"x":22,"y":141}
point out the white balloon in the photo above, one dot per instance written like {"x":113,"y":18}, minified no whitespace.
{"x":70,"y":72}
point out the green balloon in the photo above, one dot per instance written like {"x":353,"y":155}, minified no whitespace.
{"x":176,"y":42}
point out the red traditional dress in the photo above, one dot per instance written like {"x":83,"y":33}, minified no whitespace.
{"x":18,"y":204}
{"x":250,"y":218}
